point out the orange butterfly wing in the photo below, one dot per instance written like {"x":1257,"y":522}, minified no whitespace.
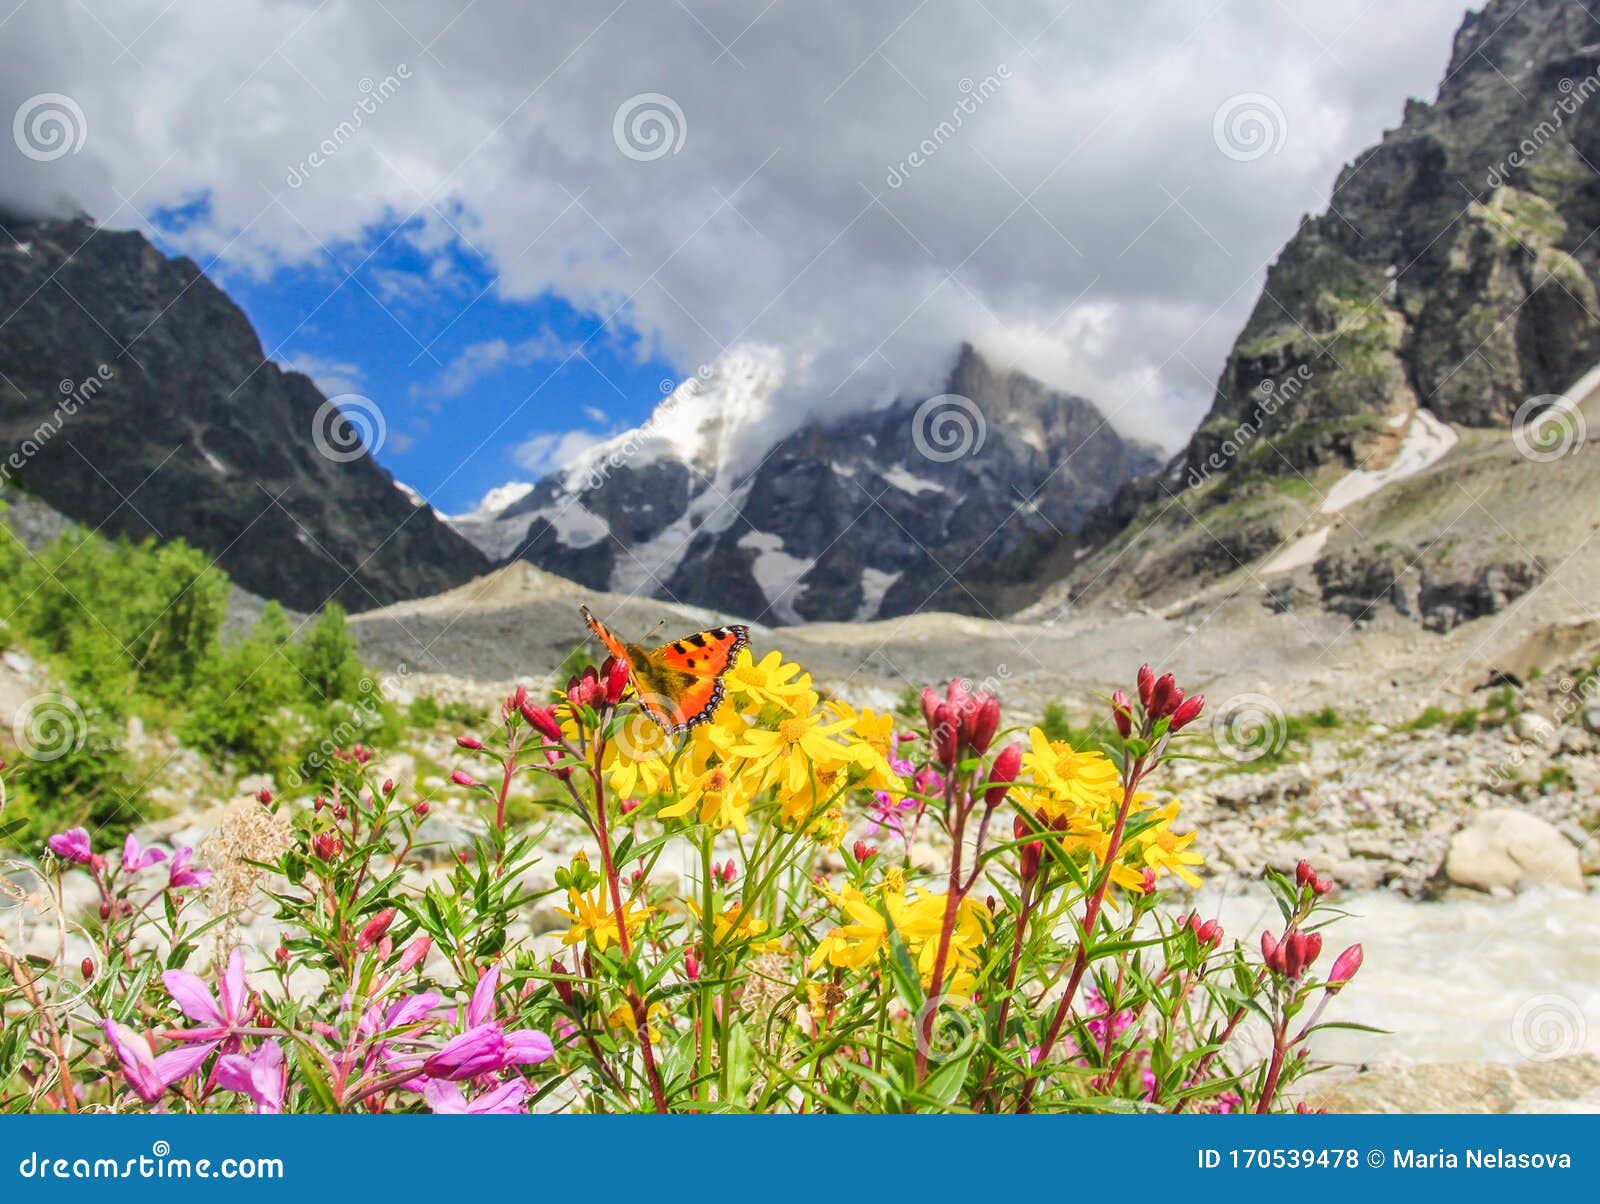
{"x":678,"y":684}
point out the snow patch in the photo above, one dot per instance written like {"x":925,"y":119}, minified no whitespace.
{"x":907,"y":482}
{"x":575,"y":526}
{"x":875,"y":583}
{"x":1426,"y":443}
{"x":777,"y":573}
{"x":217,"y":466}
{"x":1300,"y":553}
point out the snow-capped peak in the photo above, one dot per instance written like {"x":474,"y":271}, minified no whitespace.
{"x":497,"y":499}
{"x":720,"y":420}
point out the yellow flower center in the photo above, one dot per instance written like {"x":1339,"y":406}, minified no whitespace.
{"x":791,"y":730}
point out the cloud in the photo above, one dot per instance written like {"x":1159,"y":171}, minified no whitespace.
{"x":478,"y":360}
{"x":546,"y":453}
{"x":333,"y":376}
{"x":1042,"y":178}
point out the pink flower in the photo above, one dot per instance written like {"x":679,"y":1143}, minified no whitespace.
{"x":180,"y":874}
{"x":487,"y":1049}
{"x":148,"y":1074}
{"x":462,"y":778}
{"x":72,"y":845}
{"x":447,"y":1099}
{"x":219,"y":1013}
{"x":259,"y":1075}
{"x":136,"y":858}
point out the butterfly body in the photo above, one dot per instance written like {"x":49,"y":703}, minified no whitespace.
{"x":678,"y":684}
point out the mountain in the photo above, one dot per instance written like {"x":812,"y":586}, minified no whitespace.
{"x":871,"y":514}
{"x":1444,"y":297}
{"x":135,"y":398}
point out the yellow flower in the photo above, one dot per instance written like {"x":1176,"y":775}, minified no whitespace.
{"x":735,"y":923}
{"x":1165,"y":852}
{"x":874,"y":730}
{"x":918,"y":923}
{"x":621,"y":1019}
{"x":721,"y":803}
{"x":1066,"y":781}
{"x":593,"y":920}
{"x":785,"y":756}
{"x":770,"y":682}
{"x":857,"y":944}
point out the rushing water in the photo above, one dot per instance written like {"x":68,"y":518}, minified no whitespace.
{"x":1460,"y":980}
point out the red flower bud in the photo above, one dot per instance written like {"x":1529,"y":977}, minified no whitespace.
{"x":628,"y":806}
{"x":1344,"y":967}
{"x":730,"y":872}
{"x":518,"y":697}
{"x":563,"y":987}
{"x":388,"y":785}
{"x":264,"y":797}
{"x":318,"y":803}
{"x":1303,"y":873}
{"x":585,"y":690}
{"x":1272,"y":952}
{"x":691,"y":966}
{"x":1122,"y":712}
{"x":421,"y":809}
{"x":1209,"y":933}
{"x":281,"y":953}
{"x":415,"y":953}
{"x":1321,"y":886}
{"x":327,"y":845}
{"x":616,"y":679}
{"x":105,"y":911}
{"x":1147,"y":682}
{"x":86,"y":968}
{"x":542,"y":720}
{"x":863,"y":851}
{"x":1031,"y":853}
{"x":1020,"y":827}
{"x":471,"y":742}
{"x":958,"y":695}
{"x":1188,"y":711}
{"x":462,"y":778}
{"x":1002,"y":773}
{"x":375,"y":928}
{"x":930,"y":704}
{"x":1164,"y":696}
{"x":985,"y":722}
{"x":946,"y":735}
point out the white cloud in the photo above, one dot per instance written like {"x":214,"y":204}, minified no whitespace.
{"x":333,"y":376}
{"x":479,"y":360}
{"x":1081,"y":216}
{"x":545,"y":453}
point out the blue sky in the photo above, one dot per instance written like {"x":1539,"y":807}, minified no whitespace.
{"x":475,"y":388}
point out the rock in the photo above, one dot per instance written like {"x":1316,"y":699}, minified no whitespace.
{"x":1556,"y":1085}
{"x":1591,"y":719}
{"x":438,"y":839}
{"x":1512,"y":849}
{"x":1531,"y":726}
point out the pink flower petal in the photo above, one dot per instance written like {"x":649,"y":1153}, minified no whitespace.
{"x":193,"y":997}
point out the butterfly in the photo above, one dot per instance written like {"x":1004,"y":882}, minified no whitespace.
{"x":678,"y":684}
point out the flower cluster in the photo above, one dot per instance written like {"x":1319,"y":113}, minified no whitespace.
{"x":730,"y":935}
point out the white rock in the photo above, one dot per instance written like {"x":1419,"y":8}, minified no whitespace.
{"x":1512,"y":849}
